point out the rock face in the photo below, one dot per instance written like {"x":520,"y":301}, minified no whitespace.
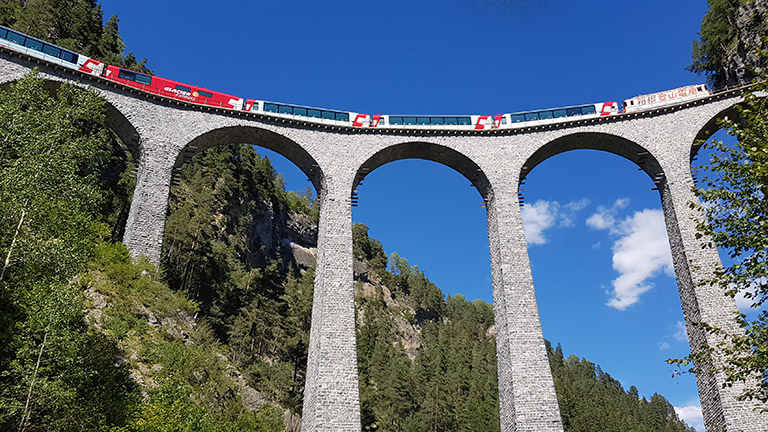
{"x":744,"y":61}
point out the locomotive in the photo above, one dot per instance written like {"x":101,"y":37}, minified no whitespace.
{"x":199,"y":95}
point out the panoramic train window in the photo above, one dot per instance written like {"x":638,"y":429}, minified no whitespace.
{"x":15,"y":37}
{"x":300,"y":111}
{"x":516,"y":118}
{"x":124,"y":74}
{"x":531,"y":116}
{"x":588,"y":109}
{"x":34,"y":44}
{"x":411,"y":121}
{"x":284,"y":109}
{"x":451,"y":121}
{"x":465,"y":121}
{"x":397,"y":121}
{"x":3,"y":33}
{"x":560,"y":113}
{"x":314,"y":113}
{"x":437,"y":121}
{"x":134,"y":76}
{"x":182,"y":88}
{"x":270,"y":107}
{"x":329,"y":115}
{"x":68,"y":56}
{"x":544,"y":115}
{"x":422,"y":121}
{"x":205,"y":94}
{"x":51,"y":50}
{"x":342,"y":116}
{"x":573,"y":111}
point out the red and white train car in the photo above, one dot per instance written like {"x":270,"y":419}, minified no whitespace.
{"x":667,"y":97}
{"x":172,"y":89}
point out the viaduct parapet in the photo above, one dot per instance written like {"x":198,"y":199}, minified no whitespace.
{"x":163,"y":133}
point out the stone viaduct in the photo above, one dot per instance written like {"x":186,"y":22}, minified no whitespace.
{"x":163,"y":133}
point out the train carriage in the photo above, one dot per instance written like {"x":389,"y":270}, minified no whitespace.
{"x":555,"y":115}
{"x":172,"y":89}
{"x":49,"y":52}
{"x":667,"y":97}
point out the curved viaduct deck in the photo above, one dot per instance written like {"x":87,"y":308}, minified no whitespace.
{"x":163,"y":133}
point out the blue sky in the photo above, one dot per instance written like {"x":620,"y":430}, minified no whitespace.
{"x":596,"y":240}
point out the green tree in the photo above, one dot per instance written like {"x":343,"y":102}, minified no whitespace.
{"x":55,"y":373}
{"x":735,"y":210}
{"x":731,"y":37}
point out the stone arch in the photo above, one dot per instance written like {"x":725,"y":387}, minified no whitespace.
{"x":432,"y":152}
{"x":610,"y":143}
{"x":710,"y":127}
{"x":261,"y":137}
{"x":468,"y":168}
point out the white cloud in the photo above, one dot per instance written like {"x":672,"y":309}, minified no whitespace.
{"x":543,"y":215}
{"x":640,"y":253}
{"x":680,"y":334}
{"x":538,"y":217}
{"x":664,"y":346}
{"x":691,"y":414}
{"x":605,"y":218}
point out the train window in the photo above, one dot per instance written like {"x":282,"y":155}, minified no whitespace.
{"x":15,"y":37}
{"x":68,"y":56}
{"x":517,"y":118}
{"x":409,"y":120}
{"x":342,"y":116}
{"x":183,"y":88}
{"x":573,"y":111}
{"x":451,"y":121}
{"x":422,"y":121}
{"x":300,"y":111}
{"x":544,"y":115}
{"x":270,"y":107}
{"x":34,"y":44}
{"x":531,"y":116}
{"x":205,"y":94}
{"x":144,"y":79}
{"x":3,"y":33}
{"x":437,"y":121}
{"x":396,"y":121}
{"x":503,"y":120}
{"x":285,"y":109}
{"x":464,"y":121}
{"x":588,"y":109}
{"x":329,"y":115}
{"x":560,"y":113}
{"x":51,"y":50}
{"x":124,"y":74}
{"x":314,"y":113}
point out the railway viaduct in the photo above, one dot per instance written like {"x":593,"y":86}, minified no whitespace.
{"x":163,"y":133}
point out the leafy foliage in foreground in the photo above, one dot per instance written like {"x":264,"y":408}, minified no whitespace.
{"x":55,"y":372}
{"x":58,"y":370}
{"x":736,"y":213}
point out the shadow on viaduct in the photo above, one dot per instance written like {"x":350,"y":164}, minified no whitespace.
{"x":162,"y":134}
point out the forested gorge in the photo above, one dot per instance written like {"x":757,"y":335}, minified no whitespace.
{"x":216,"y":338}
